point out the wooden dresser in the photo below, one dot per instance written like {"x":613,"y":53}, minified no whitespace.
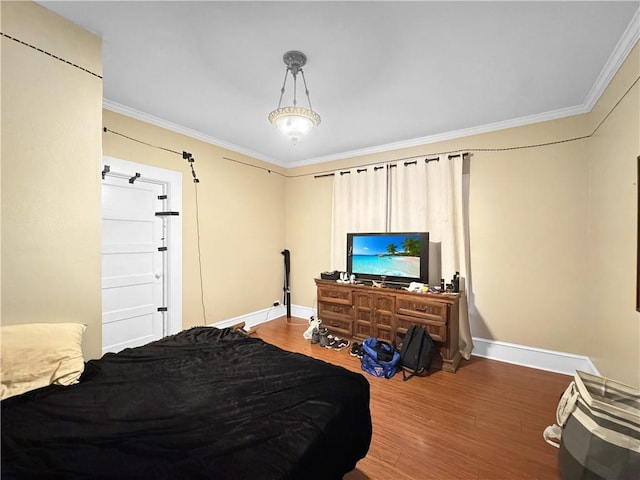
{"x":360,"y":311}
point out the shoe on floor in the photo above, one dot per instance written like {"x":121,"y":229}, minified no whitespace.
{"x":340,"y":343}
{"x":324,"y":336}
{"x":356,"y":350}
{"x":331,"y":340}
{"x":336,"y":343}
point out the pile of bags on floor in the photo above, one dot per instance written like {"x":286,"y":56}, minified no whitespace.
{"x":382,"y":359}
{"x":378,"y":357}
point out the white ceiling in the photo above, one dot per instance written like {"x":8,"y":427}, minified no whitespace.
{"x":381,"y":75}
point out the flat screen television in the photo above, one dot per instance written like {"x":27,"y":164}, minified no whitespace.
{"x":395,"y":258}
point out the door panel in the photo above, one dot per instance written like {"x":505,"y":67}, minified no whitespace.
{"x":114,"y":332}
{"x":132,"y":267}
{"x":132,"y":234}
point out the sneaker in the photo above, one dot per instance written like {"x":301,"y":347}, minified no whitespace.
{"x":315,"y":336}
{"x":355,"y":348}
{"x":331,"y":340}
{"x":324,"y":340}
{"x":340,"y":343}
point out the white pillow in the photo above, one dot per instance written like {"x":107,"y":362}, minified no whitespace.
{"x":35,"y":355}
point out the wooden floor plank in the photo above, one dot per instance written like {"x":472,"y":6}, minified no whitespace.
{"x":483,"y":422}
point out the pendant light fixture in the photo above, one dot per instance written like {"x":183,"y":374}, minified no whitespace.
{"x":294,"y":122}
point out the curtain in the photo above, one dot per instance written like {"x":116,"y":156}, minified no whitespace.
{"x":410,"y":196}
{"x":359,"y":205}
{"x":433,"y":197}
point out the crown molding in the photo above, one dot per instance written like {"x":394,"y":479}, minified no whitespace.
{"x":618,"y":56}
{"x":624,"y":46}
{"x":467,"y":132}
{"x":174,"y":127}
{"x":441,"y":137}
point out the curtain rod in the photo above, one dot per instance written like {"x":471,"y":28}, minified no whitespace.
{"x":391,"y":165}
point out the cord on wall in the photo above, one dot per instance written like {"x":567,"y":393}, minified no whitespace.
{"x":204,"y":310}
{"x":63,"y":60}
{"x":463,"y":151}
{"x":189,"y":158}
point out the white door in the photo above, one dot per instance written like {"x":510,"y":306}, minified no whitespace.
{"x":133,"y":263}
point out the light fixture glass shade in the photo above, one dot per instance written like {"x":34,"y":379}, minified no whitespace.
{"x":294,"y":122}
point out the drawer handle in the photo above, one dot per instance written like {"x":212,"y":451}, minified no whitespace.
{"x":421,"y":308}
{"x":334,"y":294}
{"x":335,"y":309}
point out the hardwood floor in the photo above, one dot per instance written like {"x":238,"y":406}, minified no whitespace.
{"x":483,"y":422}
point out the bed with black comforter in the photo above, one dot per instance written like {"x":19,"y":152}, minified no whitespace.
{"x":205,"y":403}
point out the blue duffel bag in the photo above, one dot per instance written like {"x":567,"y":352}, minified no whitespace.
{"x":379,"y":358}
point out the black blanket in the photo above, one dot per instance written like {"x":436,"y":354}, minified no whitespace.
{"x":205,"y":403}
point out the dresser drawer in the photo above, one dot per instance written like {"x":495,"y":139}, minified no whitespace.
{"x":336,"y":317}
{"x":338,"y":326}
{"x":423,"y":309}
{"x":334,"y":310}
{"x":437,"y":330}
{"x":334,"y":295}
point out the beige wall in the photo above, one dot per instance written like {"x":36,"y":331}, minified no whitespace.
{"x":528,"y":211}
{"x":52,"y":149}
{"x":552,"y":231}
{"x":553,"y":228}
{"x":612,"y":326}
{"x":50,"y":172}
{"x":242,"y":219}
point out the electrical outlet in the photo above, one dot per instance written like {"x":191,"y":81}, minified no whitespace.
{"x":276,"y":303}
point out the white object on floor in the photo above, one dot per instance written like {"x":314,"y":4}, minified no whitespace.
{"x":309,"y":331}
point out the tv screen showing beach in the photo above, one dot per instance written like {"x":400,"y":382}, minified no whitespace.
{"x":390,"y":255}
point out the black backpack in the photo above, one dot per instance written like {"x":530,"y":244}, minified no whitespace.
{"x":416,"y":351}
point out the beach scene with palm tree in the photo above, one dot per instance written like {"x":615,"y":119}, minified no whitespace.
{"x":391,"y":255}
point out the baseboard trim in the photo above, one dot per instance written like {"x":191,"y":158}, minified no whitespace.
{"x":523,"y":355}
{"x":539,"y":358}
{"x":254,"y":318}
{"x":266,"y":315}
{"x":302,"y":312}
